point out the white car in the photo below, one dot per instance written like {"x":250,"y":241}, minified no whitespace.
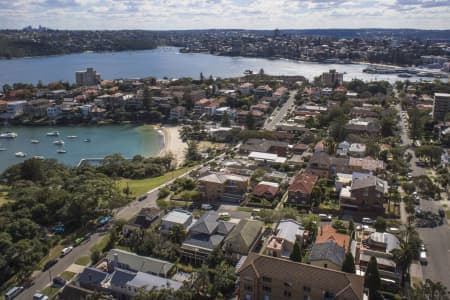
{"x":423,"y":258}
{"x":66,"y":251}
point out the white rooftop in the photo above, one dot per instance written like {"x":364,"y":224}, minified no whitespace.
{"x":266,"y":157}
{"x":178,"y":216}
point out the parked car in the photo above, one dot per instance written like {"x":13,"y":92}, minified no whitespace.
{"x":142,"y":197}
{"x":13,"y":292}
{"x":325,"y":217}
{"x":50,"y":264}
{"x":66,"y":251}
{"x":59,"y":281}
{"x":39,"y":296}
{"x":368,"y":221}
{"x":423,"y":258}
{"x":207,"y":206}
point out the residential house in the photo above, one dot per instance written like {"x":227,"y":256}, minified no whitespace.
{"x":299,"y":148}
{"x":342,"y":148}
{"x":300,"y":189}
{"x":366,"y":164}
{"x":54,"y":111}
{"x":176,"y":217}
{"x":357,"y":150}
{"x":204,"y":236}
{"x":369,"y":126}
{"x":143,"y":220}
{"x":323,"y":165}
{"x":246,"y":89}
{"x":365,"y":194}
{"x":15,"y":109}
{"x":362,"y":112}
{"x":265,"y":277}
{"x":92,"y":278}
{"x":36,"y":108}
{"x":266,"y":146}
{"x":327,"y":255}
{"x":266,"y":189}
{"x":296,"y":129}
{"x":258,"y":117}
{"x":328,"y":233}
{"x":223,"y":187}
{"x":177,"y":113}
{"x":242,"y":238}
{"x":266,"y":158}
{"x":380,"y":246}
{"x":288,"y":233}
{"x":118,"y":258}
{"x":263,"y":90}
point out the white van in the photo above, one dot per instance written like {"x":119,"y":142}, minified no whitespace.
{"x":66,"y":251}
{"x":13,"y":292}
{"x":207,"y":206}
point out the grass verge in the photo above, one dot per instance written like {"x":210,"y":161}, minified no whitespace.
{"x":140,"y":186}
{"x":67,"y":275}
{"x":102,"y":244}
{"x":50,"y":291}
{"x":83,"y":261}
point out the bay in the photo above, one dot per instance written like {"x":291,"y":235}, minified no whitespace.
{"x":128,"y":140}
{"x":166,"y":62}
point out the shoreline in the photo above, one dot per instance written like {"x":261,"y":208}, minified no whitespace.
{"x":172,"y":143}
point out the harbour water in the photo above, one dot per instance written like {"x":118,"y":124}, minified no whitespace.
{"x":127,"y":140}
{"x":167,"y":62}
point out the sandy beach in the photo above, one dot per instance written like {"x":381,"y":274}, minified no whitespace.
{"x":173,"y":143}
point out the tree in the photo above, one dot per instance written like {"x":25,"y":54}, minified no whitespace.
{"x":147,"y":98}
{"x":380,"y":224}
{"x":433,"y":153}
{"x":348,"y":265}
{"x":372,"y":279}
{"x":403,"y":256}
{"x":250,"y":121}
{"x":296,"y":254}
{"x":163,"y":192}
{"x":177,"y":234}
{"x":416,"y":124}
{"x":225,"y":120}
{"x":429,"y":291}
{"x":192,"y":153}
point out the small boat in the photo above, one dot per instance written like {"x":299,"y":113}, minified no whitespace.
{"x":58,"y":142}
{"x":72,"y":137}
{"x":87,"y":140}
{"x":61,"y":151}
{"x":8,"y":135}
{"x":35,"y":141}
{"x":40,"y":157}
{"x":53,"y":133}
{"x":20,"y":154}
{"x":2,"y":148}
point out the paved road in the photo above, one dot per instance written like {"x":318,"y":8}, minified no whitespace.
{"x":43,"y":279}
{"x":278,"y":116}
{"x":127,"y":212}
{"x":436,"y":240}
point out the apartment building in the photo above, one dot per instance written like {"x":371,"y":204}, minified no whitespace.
{"x":223,"y":187}
{"x":441,"y":106}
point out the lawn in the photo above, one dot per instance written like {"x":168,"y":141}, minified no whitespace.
{"x":102,"y":244}
{"x":141,"y":186}
{"x":67,"y":275}
{"x":83,"y":261}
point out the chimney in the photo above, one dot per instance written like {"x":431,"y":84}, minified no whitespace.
{"x":116,"y":260}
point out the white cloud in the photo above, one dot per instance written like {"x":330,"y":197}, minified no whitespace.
{"x":252,"y":14}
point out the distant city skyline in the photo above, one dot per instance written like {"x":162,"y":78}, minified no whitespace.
{"x":230,"y":14}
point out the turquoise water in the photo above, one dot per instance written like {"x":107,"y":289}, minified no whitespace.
{"x":163,"y":62}
{"x":128,"y":140}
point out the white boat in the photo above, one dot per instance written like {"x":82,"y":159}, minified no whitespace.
{"x":21,"y":154}
{"x":2,"y":148}
{"x":61,"y":151}
{"x":72,"y":136}
{"x":35,"y":141}
{"x":8,"y":135}
{"x":53,"y":133}
{"x":40,"y":157}
{"x":59,"y":142}
{"x":87,"y":140}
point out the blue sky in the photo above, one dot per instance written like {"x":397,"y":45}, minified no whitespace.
{"x":200,"y":14}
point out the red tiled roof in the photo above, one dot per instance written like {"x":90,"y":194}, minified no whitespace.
{"x":327,"y":232}
{"x":303,"y":183}
{"x":262,"y":189}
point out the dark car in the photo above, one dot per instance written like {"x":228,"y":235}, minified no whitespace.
{"x":50,"y":264}
{"x":142,"y":197}
{"x":59,"y":281}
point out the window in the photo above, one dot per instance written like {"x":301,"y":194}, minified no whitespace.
{"x":248,"y":288}
{"x":266,"y":279}
{"x":307,"y":289}
{"x":325,"y":266}
{"x":288,"y":284}
{"x":267,"y":289}
{"x":287,"y":294}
